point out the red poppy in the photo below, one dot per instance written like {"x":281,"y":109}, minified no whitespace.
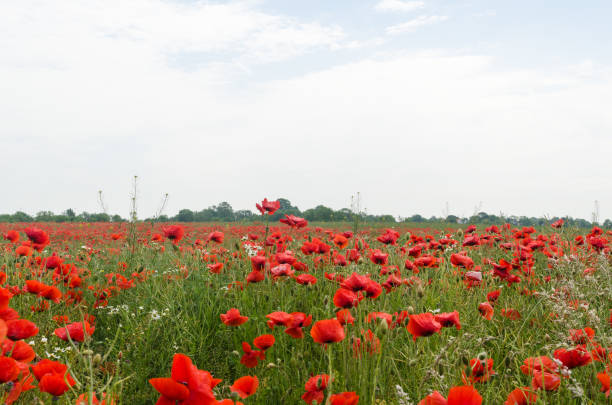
{"x":542,"y":363}
{"x":294,"y":222}
{"x":461,"y":261}
{"x":449,"y":319}
{"x":21,"y":329}
{"x":378,"y":257}
{"x":245,"y":386}
{"x":258,"y":263}
{"x":233,"y":318}
{"x":327,"y":331}
{"x":251,"y":357}
{"x":486,"y":310}
{"x":604,"y":379}
{"x":340,"y":241}
{"x":9,"y":371}
{"x":295,"y":324}
{"x":422,"y":325}
{"x":76,"y":331}
{"x":480,"y":371}
{"x":174,"y":232}
{"x":315,"y":387}
{"x":269,"y":207}
{"x":344,"y":316}
{"x":573,"y":358}
{"x":464,"y":395}
{"x":435,"y":398}
{"x":521,"y":396}
{"x":344,"y":398}
{"x":12,"y":236}
{"x":19,"y":350}
{"x":546,"y":381}
{"x":52,"y":377}
{"x":344,"y":298}
{"x":264,"y":342}
{"x":38,"y":237}
{"x":216,"y":236}
{"x":186,"y":384}
{"x":582,"y":336}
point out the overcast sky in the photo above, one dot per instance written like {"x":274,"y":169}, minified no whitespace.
{"x":505,"y":105}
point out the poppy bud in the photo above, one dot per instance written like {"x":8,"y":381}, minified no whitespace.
{"x":87,"y":352}
{"x":547,"y":337}
{"x":97,"y":359}
{"x":420,"y":291}
{"x":383,"y":325}
{"x":410,"y":310}
{"x":482,"y":356}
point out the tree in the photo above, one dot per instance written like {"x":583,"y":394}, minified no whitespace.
{"x":70,"y":214}
{"x":185,"y":215}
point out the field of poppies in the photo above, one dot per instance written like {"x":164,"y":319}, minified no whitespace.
{"x":292,"y":313}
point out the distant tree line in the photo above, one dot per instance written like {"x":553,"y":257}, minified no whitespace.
{"x":223,"y":212}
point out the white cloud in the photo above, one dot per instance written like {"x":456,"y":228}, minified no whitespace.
{"x":416,"y":23}
{"x":398,"y":5}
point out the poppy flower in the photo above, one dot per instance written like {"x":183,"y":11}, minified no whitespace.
{"x":233,"y":318}
{"x":12,"y":236}
{"x":295,"y":324}
{"x":21,"y":329}
{"x":422,"y":325}
{"x":378,"y":257}
{"x":255,"y":277}
{"x":340,"y":241}
{"x":52,"y":377}
{"x":269,"y":207}
{"x":604,"y":379}
{"x":9,"y":371}
{"x":75,"y":331}
{"x":38,"y":237}
{"x":327,"y":331}
{"x":344,"y":316}
{"x":344,"y":398}
{"x":344,"y":298}
{"x":463,"y":395}
{"x":315,"y":388}
{"x":581,"y":336}
{"x":216,"y":236}
{"x":306,"y":279}
{"x":541,"y":363}
{"x":55,"y":384}
{"x":294,"y":222}
{"x":264,"y":342}
{"x":23,"y":251}
{"x":251,"y":357}
{"x":486,"y":310}
{"x":245,"y":386}
{"x":493,"y":296}
{"x":258,"y":263}
{"x":480,"y":371}
{"x":461,"y":261}
{"x":435,"y":398}
{"x":448,"y":319}
{"x":521,"y":396}
{"x":19,"y":350}
{"x":277,"y":319}
{"x":573,"y":358}
{"x":174,"y":232}
{"x":545,"y":381}
{"x":186,"y":384}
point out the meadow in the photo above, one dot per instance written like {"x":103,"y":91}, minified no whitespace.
{"x":291,"y":313}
